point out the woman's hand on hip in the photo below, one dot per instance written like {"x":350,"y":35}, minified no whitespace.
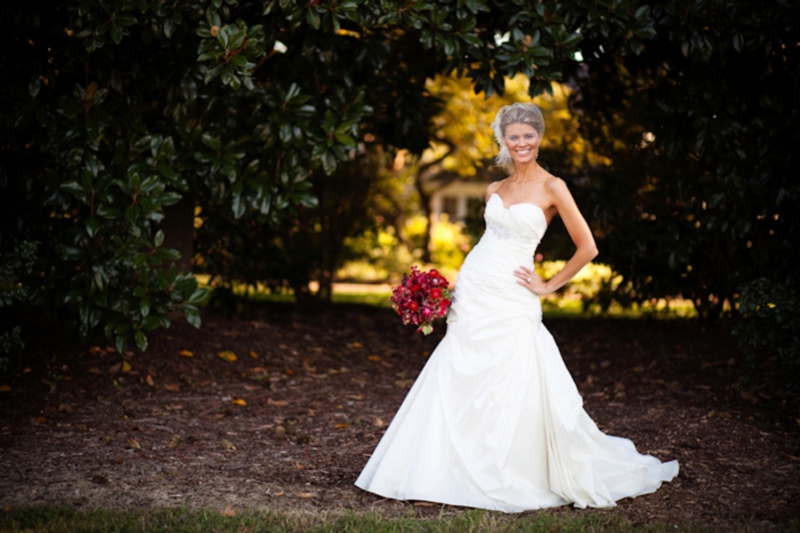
{"x":529,"y":279}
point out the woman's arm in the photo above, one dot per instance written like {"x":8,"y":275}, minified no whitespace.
{"x":580,"y":234}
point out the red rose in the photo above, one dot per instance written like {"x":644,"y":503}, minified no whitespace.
{"x":434,"y":273}
{"x":413,"y":305}
{"x":436,"y":293}
{"x":414,"y":287}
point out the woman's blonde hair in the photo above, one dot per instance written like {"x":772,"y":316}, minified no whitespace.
{"x":518,"y":113}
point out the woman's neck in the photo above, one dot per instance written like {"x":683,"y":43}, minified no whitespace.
{"x":530,"y":171}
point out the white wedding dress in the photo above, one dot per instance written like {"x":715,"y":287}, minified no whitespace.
{"x":494,"y":420}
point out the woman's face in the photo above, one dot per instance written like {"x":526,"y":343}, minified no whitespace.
{"x":522,"y":141}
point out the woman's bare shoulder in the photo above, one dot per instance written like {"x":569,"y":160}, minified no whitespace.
{"x":493,"y":186}
{"x":555,"y":185}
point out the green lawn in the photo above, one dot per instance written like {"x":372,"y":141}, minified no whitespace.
{"x":63,"y":520}
{"x":378,"y":295}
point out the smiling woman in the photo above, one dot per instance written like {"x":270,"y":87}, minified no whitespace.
{"x":495,"y":420}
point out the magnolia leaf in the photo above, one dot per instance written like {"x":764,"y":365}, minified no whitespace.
{"x":277,"y":403}
{"x":229,"y":510}
{"x":227,"y":355}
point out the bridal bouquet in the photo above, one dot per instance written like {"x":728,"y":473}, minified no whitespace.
{"x":421,"y":297}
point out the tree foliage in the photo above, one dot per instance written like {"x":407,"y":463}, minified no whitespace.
{"x":118,"y":108}
{"x":700,"y":130}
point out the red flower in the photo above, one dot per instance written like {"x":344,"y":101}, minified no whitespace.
{"x":413,"y":305}
{"x":433,"y":273}
{"x":436,"y":293}
{"x":414,"y":287}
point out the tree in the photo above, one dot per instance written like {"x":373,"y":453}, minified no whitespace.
{"x":114,"y":109}
{"x":700,"y":130}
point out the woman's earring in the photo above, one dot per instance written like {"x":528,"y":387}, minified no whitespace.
{"x":537,"y":155}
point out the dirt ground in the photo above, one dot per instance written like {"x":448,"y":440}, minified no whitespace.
{"x":291,"y":421}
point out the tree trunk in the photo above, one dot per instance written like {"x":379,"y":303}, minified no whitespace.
{"x":178,"y":226}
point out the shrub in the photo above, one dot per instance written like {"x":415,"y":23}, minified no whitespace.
{"x":769,"y":326}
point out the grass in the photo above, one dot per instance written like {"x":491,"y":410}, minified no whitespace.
{"x":62,"y":520}
{"x":553,"y":307}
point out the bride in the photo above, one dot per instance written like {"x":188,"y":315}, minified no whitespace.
{"x":494,"y":420}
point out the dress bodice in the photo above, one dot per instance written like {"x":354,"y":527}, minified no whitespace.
{"x":522,"y":225}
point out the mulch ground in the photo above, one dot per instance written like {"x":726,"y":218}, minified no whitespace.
{"x":290,"y":423}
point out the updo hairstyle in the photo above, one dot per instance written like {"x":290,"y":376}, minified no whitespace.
{"x":518,"y":113}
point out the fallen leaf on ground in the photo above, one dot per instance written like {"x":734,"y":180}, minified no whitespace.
{"x":186,"y":353}
{"x":173,"y":386}
{"x":227,"y":355}
{"x":27,"y":370}
{"x":5,"y":388}
{"x":228,"y":511}
{"x":378,"y":423}
{"x":340,"y":426}
{"x":257,"y":370}
{"x":425,"y":504}
{"x":228,"y":445}
{"x":94,"y":350}
{"x":749,"y":397}
{"x":115,"y":368}
{"x":374,"y":357}
{"x":356,"y":345}
{"x":305,"y":495}
{"x":134,"y":444}
{"x":254,"y":355}
{"x":105,"y":439}
{"x":277,"y":403}
{"x":94,"y":370}
{"x":126,"y":366}
{"x":356,"y":397}
{"x":150,"y":381}
{"x":238,"y":401}
{"x":39,"y":420}
{"x":173,"y":442}
{"x":65,"y":408}
{"x":280,"y":432}
{"x":100,"y":479}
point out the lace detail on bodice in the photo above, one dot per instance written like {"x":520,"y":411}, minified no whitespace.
{"x":499,"y":231}
{"x":524,"y":223}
